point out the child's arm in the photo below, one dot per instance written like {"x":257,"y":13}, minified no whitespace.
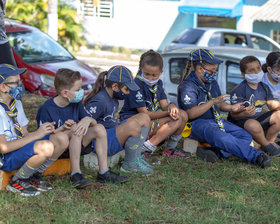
{"x":173,"y":111}
{"x":5,"y":146}
{"x":83,"y":125}
{"x":247,"y":112}
{"x":153,"y":114}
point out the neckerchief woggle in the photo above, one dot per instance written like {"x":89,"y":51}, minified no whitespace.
{"x":216,"y":113}
{"x":154,"y":104}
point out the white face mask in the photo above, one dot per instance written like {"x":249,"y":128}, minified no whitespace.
{"x":275,"y":77}
{"x":254,"y":78}
{"x":149,"y":82}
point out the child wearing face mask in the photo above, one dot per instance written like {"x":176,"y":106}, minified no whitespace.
{"x":29,"y":153}
{"x":272,"y":74}
{"x":102,"y":103}
{"x":263,"y":126}
{"x":200,"y":96}
{"x":67,"y":111}
{"x":168,"y":121}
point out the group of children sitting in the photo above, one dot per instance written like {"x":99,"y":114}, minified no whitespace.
{"x":68,"y":127}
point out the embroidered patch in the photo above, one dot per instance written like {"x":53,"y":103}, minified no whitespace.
{"x":92,"y":110}
{"x":187,"y":99}
{"x":139,"y":96}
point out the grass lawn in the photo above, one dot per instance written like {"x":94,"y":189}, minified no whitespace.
{"x":180,"y":191}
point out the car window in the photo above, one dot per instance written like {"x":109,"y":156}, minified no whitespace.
{"x":234,"y":76}
{"x":263,"y":44}
{"x":190,"y":36}
{"x":235,"y":40}
{"x":177,"y":69}
{"x":215,"y":39}
{"x":36,"y":46}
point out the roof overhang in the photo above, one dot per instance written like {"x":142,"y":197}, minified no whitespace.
{"x":226,"y":8}
{"x":269,"y":12}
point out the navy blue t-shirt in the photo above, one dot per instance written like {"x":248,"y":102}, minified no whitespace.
{"x":103,"y":109}
{"x":141,"y":98}
{"x":50,"y":112}
{"x":256,"y":97}
{"x":190,"y":94}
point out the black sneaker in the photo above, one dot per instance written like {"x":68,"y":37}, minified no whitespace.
{"x":23,"y":187}
{"x":207,"y":155}
{"x":37,"y":181}
{"x":148,"y":157}
{"x":263,"y":160}
{"x":271,"y":150}
{"x":79,"y":182}
{"x":110,"y":176}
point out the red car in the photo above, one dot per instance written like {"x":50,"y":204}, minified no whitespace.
{"x":43,"y":56}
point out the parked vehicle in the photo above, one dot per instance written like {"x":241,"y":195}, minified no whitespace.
{"x":228,"y":75}
{"x":208,"y":37}
{"x":43,"y":56}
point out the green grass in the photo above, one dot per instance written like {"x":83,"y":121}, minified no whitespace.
{"x":180,"y":191}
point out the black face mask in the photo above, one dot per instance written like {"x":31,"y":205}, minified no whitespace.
{"x":118,"y":95}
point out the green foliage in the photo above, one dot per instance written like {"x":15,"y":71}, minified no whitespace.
{"x":35,"y":13}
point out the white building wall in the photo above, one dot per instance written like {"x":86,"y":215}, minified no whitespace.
{"x":245,"y":23}
{"x":140,"y":24}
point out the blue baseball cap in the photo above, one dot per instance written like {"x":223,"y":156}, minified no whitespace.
{"x":203,"y":55}
{"x":123,"y":75}
{"x":9,"y":70}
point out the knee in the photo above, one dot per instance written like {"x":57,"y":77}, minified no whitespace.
{"x":276,"y":116}
{"x":44,"y":148}
{"x":143,"y":119}
{"x":134,"y":128}
{"x":99,"y":131}
{"x":61,"y":139}
{"x":183,"y":116}
{"x":252,"y":126}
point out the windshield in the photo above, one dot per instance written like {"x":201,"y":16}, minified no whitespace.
{"x":190,"y":36}
{"x":36,"y":46}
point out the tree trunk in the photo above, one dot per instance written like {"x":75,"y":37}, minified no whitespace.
{"x":52,"y":19}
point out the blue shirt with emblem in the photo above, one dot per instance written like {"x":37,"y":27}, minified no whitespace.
{"x":50,"y":112}
{"x":256,"y":97}
{"x":141,"y":98}
{"x":103,"y":109}
{"x":190,"y":94}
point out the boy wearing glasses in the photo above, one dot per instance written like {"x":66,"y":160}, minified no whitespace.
{"x":31,"y":153}
{"x":200,"y":96}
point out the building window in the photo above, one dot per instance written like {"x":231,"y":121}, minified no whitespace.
{"x":276,"y":35}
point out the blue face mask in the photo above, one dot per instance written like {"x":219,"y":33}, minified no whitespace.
{"x":209,"y":77}
{"x":118,"y":95}
{"x":79,"y":95}
{"x":17,"y":92}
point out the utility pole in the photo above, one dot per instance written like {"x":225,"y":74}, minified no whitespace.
{"x":52,"y":19}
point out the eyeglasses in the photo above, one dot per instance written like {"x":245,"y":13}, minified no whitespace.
{"x":18,"y":83}
{"x":210,"y":71}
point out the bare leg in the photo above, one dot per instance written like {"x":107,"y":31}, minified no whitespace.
{"x":255,"y":129}
{"x":61,"y":142}
{"x":274,"y":128}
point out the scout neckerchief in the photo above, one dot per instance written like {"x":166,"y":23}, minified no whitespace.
{"x":154,"y":104}
{"x":12,"y":112}
{"x":215,"y":112}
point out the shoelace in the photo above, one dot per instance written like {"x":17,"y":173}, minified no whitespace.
{"x":141,"y":165}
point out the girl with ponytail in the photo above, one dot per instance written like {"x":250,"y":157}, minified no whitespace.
{"x":102,"y":104}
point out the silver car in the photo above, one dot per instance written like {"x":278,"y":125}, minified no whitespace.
{"x":228,"y":75}
{"x":208,"y":37}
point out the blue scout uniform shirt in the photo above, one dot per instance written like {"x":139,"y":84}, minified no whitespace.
{"x":275,"y":89}
{"x":190,"y":94}
{"x":141,"y":98}
{"x":256,"y":97}
{"x":49,"y":112}
{"x":103,"y":109}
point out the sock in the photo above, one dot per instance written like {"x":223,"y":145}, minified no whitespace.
{"x":148,"y":147}
{"x":72,"y":174}
{"x":143,"y":137}
{"x":24,"y":172}
{"x":131,"y":148}
{"x":173,"y":141}
{"x":45,"y":165}
{"x":103,"y":172}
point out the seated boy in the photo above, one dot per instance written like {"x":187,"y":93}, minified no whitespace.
{"x":263,"y":126}
{"x":31,"y":153}
{"x":200,"y":95}
{"x":67,"y":111}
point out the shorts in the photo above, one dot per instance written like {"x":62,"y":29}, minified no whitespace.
{"x":264,"y":120}
{"x":113,"y":143}
{"x":15,"y":159}
{"x":84,"y":150}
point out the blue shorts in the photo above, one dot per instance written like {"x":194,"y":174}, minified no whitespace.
{"x":15,"y":159}
{"x":113,"y":143}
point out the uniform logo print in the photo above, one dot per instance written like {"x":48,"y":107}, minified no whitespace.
{"x":92,"y":110}
{"x":187,"y":99}
{"x":139,"y":95}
